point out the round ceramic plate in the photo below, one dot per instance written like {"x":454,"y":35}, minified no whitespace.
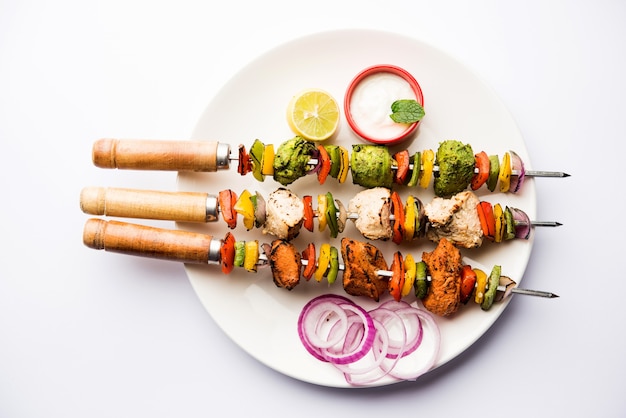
{"x":260,"y":317}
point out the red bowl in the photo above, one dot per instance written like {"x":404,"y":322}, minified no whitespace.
{"x":395,"y":136}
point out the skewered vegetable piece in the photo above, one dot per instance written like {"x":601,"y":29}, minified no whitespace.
{"x":372,"y":165}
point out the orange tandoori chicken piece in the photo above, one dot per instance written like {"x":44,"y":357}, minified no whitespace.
{"x":444,"y":266}
{"x":286,"y":264}
{"x":362,"y":260}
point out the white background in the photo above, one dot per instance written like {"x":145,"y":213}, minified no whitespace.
{"x":84,"y":335}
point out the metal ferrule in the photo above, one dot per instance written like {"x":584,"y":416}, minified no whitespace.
{"x":222,"y":155}
{"x":212,"y":208}
{"x":214,"y":251}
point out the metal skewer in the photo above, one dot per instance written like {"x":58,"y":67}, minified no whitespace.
{"x":553,"y":224}
{"x":528,"y":173}
{"x":387,"y":273}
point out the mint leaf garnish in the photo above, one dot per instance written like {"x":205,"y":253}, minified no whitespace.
{"x":406,"y":111}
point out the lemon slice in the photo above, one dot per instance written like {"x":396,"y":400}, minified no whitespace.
{"x":313,"y":114}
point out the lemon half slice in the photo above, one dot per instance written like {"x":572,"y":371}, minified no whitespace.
{"x":313,"y":114}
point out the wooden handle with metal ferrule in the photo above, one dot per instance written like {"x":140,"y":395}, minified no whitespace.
{"x":149,"y":204}
{"x":137,"y":154}
{"x":151,"y":242}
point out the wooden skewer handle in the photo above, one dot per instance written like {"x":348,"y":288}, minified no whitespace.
{"x":149,"y":204}
{"x":165,"y":155}
{"x":147,"y":241}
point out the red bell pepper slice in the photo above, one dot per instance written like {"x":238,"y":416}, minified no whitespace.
{"x":227,"y":200}
{"x":309,"y":215}
{"x":487,"y":219}
{"x":245,"y":164}
{"x":398,"y":222}
{"x":326,"y":164}
{"x":227,"y":253}
{"x":481,"y":218}
{"x":397,"y":276}
{"x":468,"y":282}
{"x":402,"y":159}
{"x":482,"y":164}
{"x":309,"y":255}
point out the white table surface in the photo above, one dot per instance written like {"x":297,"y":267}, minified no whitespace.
{"x":83,"y":335}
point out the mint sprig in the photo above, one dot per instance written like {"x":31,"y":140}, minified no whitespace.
{"x":406,"y":111}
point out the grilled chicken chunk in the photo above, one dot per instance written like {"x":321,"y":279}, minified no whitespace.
{"x":286,"y":264}
{"x":362,"y":260}
{"x":455,"y":219}
{"x":373,"y":209}
{"x":444,"y":266}
{"x":284,"y":214}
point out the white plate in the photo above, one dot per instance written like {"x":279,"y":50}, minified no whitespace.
{"x":251,"y":310}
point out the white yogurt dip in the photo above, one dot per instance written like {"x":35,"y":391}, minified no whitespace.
{"x":370,"y":104}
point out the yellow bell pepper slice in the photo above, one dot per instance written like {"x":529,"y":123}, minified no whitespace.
{"x":410,"y":214}
{"x":245,"y":208}
{"x":410,"y":272}
{"x":323,"y":262}
{"x":252,"y":256}
{"x":267,"y":169}
{"x":481,"y":284}
{"x":345,"y":165}
{"x":428,"y":163}
{"x":322,"y":205}
{"x":505,"y":173}
{"x":498,"y":215}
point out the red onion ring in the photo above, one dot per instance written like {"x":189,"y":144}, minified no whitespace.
{"x":372,"y":371}
{"x":304,"y":324}
{"x":365,"y":342}
{"x":413,"y":365}
{"x":367,"y":346}
{"x":411,"y":323}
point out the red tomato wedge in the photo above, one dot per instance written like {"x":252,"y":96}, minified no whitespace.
{"x":482,"y":164}
{"x":397,"y":276}
{"x":326,"y":164}
{"x":227,"y":200}
{"x":402,"y":159}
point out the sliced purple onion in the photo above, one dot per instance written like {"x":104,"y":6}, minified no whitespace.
{"x":394,"y":324}
{"x":369,"y":370}
{"x":412,"y":366}
{"x":518,"y":179}
{"x":307,"y":322}
{"x":259,"y":210}
{"x":360,"y":344}
{"x":315,"y":155}
{"x":365,"y":342}
{"x":523,"y":225}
